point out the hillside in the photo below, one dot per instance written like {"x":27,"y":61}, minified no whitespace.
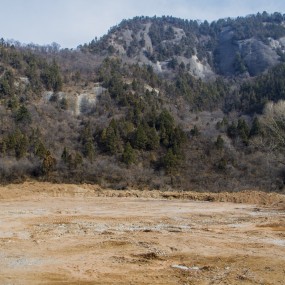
{"x":156,"y":103}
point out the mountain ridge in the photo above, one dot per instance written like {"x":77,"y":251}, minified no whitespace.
{"x":223,"y":47}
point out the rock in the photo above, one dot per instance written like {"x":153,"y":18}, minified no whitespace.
{"x":182,"y":267}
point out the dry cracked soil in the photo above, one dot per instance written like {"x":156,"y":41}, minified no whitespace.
{"x":81,"y":234}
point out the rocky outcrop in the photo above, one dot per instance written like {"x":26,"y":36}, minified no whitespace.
{"x":78,"y":102}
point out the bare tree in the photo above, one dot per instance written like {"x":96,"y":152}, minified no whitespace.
{"x":272,"y":141}
{"x":273,"y":120}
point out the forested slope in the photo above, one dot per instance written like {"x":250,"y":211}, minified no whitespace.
{"x":159,"y":103}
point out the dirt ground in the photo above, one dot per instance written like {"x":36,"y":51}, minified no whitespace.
{"x":69,"y":234}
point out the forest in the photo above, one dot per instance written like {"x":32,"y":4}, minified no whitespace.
{"x":144,"y":129}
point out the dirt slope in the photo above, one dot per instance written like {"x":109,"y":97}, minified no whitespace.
{"x":69,"y":234}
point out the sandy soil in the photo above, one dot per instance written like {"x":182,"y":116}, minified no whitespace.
{"x":68,"y":234}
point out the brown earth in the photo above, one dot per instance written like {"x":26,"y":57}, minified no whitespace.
{"x":81,"y":234}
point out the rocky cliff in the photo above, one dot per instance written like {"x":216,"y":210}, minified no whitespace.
{"x":229,"y":47}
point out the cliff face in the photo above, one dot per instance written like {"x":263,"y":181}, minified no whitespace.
{"x":255,"y":55}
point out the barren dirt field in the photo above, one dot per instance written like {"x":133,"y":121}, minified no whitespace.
{"x":69,"y":234}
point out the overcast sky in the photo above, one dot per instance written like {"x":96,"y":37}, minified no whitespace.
{"x":74,"y":22}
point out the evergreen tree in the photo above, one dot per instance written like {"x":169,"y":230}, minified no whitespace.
{"x":219,"y":142}
{"x":21,"y":147}
{"x":65,"y":155}
{"x":7,"y":85}
{"x":177,"y":138}
{"x":239,"y":64}
{"x":3,"y":148}
{"x":88,"y":143}
{"x":51,"y":77}
{"x":153,"y":139}
{"x":110,"y":138}
{"x":140,"y":139}
{"x":194,"y":132}
{"x":23,"y":115}
{"x":78,"y":160}
{"x":166,"y":121}
{"x":232,"y":130}
{"x":39,"y":149}
{"x":243,"y":130}
{"x":89,"y":149}
{"x":255,"y":128}
{"x":17,"y":143}
{"x":128,"y":154}
{"x":170,"y":161}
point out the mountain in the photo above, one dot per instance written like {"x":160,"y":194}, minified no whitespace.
{"x":156,"y":103}
{"x":227,"y":47}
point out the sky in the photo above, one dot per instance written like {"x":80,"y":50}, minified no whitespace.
{"x":73,"y":22}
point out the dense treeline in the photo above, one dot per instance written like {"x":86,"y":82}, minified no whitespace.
{"x":267,"y":87}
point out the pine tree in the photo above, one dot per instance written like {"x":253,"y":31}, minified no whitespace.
{"x":65,"y":155}
{"x":78,"y":160}
{"x":140,"y":139}
{"x":51,"y":77}
{"x":23,"y":115}
{"x":39,"y":149}
{"x":88,"y":143}
{"x":153,"y":139}
{"x":255,"y":128}
{"x":232,"y":130}
{"x":219,"y":142}
{"x":111,"y":139}
{"x":170,"y":161}
{"x":243,"y":130}
{"x":89,"y":149}
{"x":195,"y":132}
{"x":128,"y":154}
{"x":22,"y":146}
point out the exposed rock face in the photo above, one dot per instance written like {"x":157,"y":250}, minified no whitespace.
{"x":258,"y":56}
{"x":225,"y":52}
{"x":79,"y":103}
